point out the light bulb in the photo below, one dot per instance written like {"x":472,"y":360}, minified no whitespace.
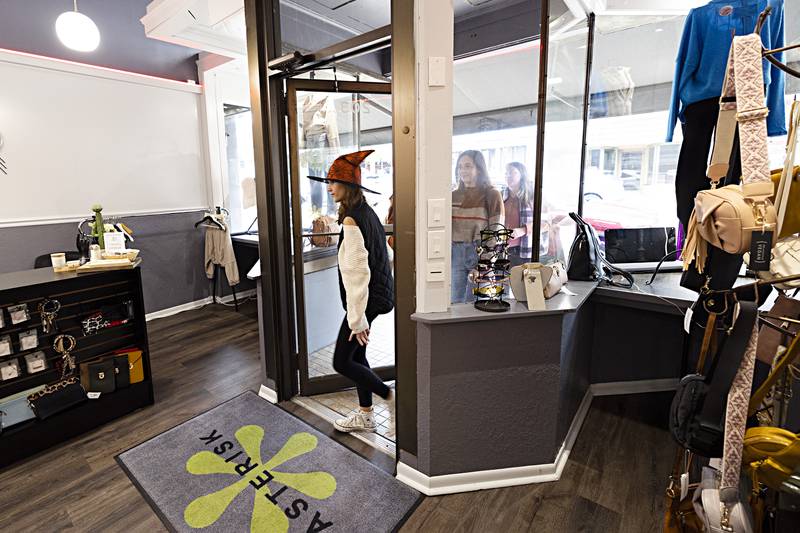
{"x":77,"y":31}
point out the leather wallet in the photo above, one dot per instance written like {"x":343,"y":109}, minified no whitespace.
{"x":122,"y":373}
{"x":57,"y":398}
{"x":98,"y":375}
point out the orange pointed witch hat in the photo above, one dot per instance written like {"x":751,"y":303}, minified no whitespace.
{"x":347,"y":169}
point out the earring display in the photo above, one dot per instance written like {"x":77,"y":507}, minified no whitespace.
{"x":29,"y":340}
{"x":9,"y":370}
{"x":35,"y":362}
{"x":492,"y":272}
{"x":5,"y":345}
{"x":48,"y":309}
{"x":19,"y":313}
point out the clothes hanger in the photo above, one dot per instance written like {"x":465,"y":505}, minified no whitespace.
{"x":211,"y":219}
{"x":768,"y":54}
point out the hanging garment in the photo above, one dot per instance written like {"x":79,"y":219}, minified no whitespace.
{"x":219,"y":251}
{"x":703,"y":53}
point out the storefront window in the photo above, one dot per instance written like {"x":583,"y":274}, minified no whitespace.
{"x":494,"y":135}
{"x":630,"y":97}
{"x":566,"y":78}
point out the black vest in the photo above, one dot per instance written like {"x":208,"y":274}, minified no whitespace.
{"x":381,"y":281}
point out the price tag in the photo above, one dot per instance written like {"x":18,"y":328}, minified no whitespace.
{"x":687,"y":320}
{"x":684,"y":485}
{"x":760,"y":250}
{"x":93,"y":395}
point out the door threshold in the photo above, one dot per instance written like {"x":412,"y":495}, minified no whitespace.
{"x":373,"y":439}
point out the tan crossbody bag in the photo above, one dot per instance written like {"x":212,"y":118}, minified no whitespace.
{"x":727,"y":217}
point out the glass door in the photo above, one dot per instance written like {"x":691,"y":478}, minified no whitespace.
{"x":328,"y":119}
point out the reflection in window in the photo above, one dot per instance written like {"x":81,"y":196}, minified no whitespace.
{"x":630,"y":97}
{"x":241,"y":200}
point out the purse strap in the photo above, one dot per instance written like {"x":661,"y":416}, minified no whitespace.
{"x":787,"y":175}
{"x":736,"y":413}
{"x":742,"y":102}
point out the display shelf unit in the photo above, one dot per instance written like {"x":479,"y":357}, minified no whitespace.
{"x":80,"y":296}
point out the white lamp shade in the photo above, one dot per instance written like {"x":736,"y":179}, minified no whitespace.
{"x":77,"y":31}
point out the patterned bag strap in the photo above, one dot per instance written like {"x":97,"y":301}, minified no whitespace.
{"x":736,"y":421}
{"x":743,"y":101}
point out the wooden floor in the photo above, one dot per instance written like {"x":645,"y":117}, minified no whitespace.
{"x":614,"y":479}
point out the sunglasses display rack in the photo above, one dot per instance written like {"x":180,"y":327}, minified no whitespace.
{"x":492,"y":274}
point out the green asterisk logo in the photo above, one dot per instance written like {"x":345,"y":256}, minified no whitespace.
{"x":267,"y":516}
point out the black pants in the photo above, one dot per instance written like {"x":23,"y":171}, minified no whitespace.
{"x":698,"y":132}
{"x":690,"y":178}
{"x":350,"y":360}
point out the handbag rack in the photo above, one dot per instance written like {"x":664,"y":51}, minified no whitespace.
{"x":79,"y":296}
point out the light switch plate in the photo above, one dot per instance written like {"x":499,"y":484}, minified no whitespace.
{"x":435,"y":271}
{"x":436,"y":214}
{"x":436,"y":244}
{"x":436,"y":72}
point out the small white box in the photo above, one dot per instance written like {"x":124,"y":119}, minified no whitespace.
{"x":9,"y":370}
{"x":5,"y":345}
{"x":29,"y":340}
{"x":35,"y":362}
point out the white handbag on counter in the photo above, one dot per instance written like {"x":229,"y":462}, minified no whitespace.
{"x":554,"y":276}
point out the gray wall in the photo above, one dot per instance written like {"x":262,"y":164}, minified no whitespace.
{"x":172,"y":250}
{"x":29,"y":26}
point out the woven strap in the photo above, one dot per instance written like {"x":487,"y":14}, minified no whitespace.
{"x":736,"y":422}
{"x":742,"y":101}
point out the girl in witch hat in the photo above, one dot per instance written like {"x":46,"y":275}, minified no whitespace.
{"x":366,"y":285}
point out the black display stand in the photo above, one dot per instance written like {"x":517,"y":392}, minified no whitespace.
{"x":79,"y":295}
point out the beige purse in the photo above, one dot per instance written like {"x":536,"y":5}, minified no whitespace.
{"x":727,"y":217}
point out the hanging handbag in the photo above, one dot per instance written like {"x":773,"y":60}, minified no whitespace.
{"x":65,"y":393}
{"x":697,"y":413}
{"x":785,"y":259}
{"x":769,"y":339}
{"x":728,"y":217}
{"x":680,"y":516}
{"x":716,"y":516}
{"x":99,"y":375}
{"x":586,"y":259}
{"x":722,"y":499}
{"x":324,"y":224}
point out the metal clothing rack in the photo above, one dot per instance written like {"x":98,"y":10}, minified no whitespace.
{"x":218,"y":210}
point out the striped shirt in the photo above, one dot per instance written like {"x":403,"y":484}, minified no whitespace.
{"x":474,"y":209}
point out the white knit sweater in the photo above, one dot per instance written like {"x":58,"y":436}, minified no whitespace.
{"x":354,"y":266}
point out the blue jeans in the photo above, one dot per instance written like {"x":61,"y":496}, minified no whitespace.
{"x":464,"y":258}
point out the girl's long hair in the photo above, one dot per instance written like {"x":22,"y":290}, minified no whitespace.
{"x":480,"y":163}
{"x":525,"y":192}
{"x":353,"y":197}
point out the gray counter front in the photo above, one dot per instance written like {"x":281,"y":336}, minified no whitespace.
{"x":500,"y":390}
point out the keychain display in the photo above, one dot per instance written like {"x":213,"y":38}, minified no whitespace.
{"x":64,"y":344}
{"x":28,"y":340}
{"x":48,"y":309}
{"x":19,"y":313}
{"x":492,"y":273}
{"x":35,"y":362}
{"x":9,"y":370}
{"x":5,"y":345}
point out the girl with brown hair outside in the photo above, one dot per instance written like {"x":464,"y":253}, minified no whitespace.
{"x":366,"y":285}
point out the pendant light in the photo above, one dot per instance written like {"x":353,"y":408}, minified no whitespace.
{"x":77,"y":31}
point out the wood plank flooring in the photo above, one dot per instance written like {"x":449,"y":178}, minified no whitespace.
{"x":614,"y":479}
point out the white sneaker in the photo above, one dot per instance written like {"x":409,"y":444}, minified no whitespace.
{"x":358,"y":421}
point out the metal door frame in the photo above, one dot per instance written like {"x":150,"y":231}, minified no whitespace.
{"x":333,"y":383}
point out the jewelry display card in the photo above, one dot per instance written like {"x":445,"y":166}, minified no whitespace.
{"x":29,"y":340}
{"x":5,"y":345}
{"x":19,"y":313}
{"x":9,"y":370}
